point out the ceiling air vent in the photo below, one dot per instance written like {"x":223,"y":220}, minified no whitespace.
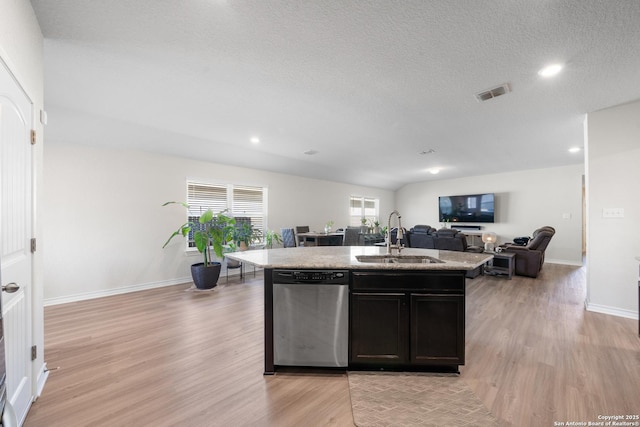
{"x":493,"y":93}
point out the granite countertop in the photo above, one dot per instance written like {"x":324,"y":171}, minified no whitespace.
{"x":344,"y":257}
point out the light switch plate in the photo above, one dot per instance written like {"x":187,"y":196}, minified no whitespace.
{"x":613,"y":213}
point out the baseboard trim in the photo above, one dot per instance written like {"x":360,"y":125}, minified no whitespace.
{"x":614,"y":311}
{"x":124,"y":290}
{"x":564,"y":261}
{"x":42,"y":379}
{"x":115,"y":291}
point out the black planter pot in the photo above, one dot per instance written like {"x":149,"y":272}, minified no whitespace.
{"x":206,"y":277}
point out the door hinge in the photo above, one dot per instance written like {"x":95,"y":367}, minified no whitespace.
{"x":33,"y":136}
{"x":34,"y":352}
{"x":33,"y":245}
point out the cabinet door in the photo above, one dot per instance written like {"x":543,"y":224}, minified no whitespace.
{"x":437,"y":329}
{"x":379,"y":328}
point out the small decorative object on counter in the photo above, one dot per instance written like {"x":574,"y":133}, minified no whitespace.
{"x":327,"y":227}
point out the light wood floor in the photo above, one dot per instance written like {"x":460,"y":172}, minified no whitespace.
{"x":169,"y":357}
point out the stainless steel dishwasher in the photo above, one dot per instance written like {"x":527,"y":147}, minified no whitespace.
{"x":311,"y":317}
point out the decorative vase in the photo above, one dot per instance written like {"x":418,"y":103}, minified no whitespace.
{"x":327,"y":229}
{"x":206,"y":277}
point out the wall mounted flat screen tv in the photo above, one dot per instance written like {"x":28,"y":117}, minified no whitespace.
{"x":467,"y":208}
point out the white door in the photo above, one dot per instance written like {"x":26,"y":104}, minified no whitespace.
{"x":15,"y":231}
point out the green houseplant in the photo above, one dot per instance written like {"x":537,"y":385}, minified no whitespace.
{"x":327,"y":226}
{"x":245,"y":234}
{"x":383,"y":231}
{"x":210,"y":232}
{"x":272,"y":237}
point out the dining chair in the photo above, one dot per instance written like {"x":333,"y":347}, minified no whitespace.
{"x":288,"y":237}
{"x":352,"y":237}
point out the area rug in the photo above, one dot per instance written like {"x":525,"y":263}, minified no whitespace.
{"x":403,"y":399}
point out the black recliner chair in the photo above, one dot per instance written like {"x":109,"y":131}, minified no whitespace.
{"x":530,"y":258}
{"x":449,"y":239}
{"x":421,"y":236}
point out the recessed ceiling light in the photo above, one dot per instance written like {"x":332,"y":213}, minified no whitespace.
{"x":434,"y":171}
{"x":255,"y":140}
{"x":574,"y":149}
{"x":550,"y":70}
{"x":310,"y":152}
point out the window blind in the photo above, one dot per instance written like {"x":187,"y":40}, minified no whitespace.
{"x":239,"y":201}
{"x":249,"y":202}
{"x":201,"y":197}
{"x":363,"y":207}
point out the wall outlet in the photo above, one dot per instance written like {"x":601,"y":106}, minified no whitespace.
{"x":613,"y":213}
{"x":566,"y":216}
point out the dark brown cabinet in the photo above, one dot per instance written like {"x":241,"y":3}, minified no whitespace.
{"x":437,"y":329}
{"x":379,"y":332}
{"x":407,"y":319}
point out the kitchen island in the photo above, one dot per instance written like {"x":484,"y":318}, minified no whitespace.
{"x":401,"y":312}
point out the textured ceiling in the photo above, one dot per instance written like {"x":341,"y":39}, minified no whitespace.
{"x":366,"y":84}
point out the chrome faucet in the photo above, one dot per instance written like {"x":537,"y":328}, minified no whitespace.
{"x":399,"y":236}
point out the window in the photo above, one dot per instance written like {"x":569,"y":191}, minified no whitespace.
{"x":246,"y":203}
{"x":363,"y":207}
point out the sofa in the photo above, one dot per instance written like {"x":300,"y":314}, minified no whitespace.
{"x":530,"y":258}
{"x":449,"y":239}
{"x":424,"y":236}
{"x":453,"y":240}
{"x":354,"y":236}
{"x":406,"y":239}
{"x":421,"y":236}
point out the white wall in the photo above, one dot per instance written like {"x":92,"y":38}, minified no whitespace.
{"x":21,"y":49}
{"x":105,"y":226}
{"x":612,"y":182}
{"x":525,"y":201}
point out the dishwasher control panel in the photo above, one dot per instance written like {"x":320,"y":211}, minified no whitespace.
{"x":311,"y":276}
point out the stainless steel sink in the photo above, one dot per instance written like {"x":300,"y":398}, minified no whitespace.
{"x":398,"y":259}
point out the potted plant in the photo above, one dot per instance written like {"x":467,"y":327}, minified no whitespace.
{"x":211,"y":231}
{"x":327,"y":227}
{"x":364,"y":228}
{"x":271,"y":237}
{"x":245,"y":234}
{"x":232,"y":263}
{"x":383,"y":231}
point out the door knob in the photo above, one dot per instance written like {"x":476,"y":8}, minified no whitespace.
{"x":10,"y":287}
